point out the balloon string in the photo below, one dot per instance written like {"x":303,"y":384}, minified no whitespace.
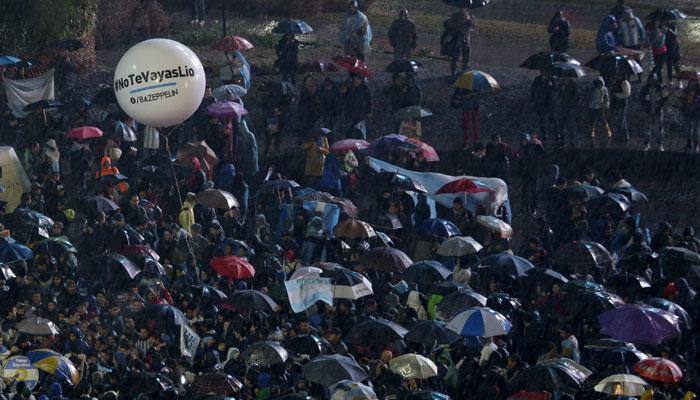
{"x":177,"y":184}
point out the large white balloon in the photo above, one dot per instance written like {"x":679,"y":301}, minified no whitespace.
{"x":159,"y":82}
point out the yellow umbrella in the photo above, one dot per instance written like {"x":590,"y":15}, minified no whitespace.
{"x":60,"y":366}
{"x":476,"y":81}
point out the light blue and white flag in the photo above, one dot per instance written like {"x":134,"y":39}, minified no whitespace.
{"x":304,"y":292}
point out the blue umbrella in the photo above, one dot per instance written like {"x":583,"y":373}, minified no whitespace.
{"x":11,"y":251}
{"x":439,"y":227}
{"x":506,"y":265}
{"x":480,"y":321}
{"x":9,"y":60}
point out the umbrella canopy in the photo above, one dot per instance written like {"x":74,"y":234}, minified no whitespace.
{"x":33,"y":222}
{"x":480,"y":321}
{"x":84,"y":132}
{"x":354,"y":229}
{"x":275,"y":185}
{"x":659,"y":370}
{"x":210,"y":293}
{"x":349,"y":390}
{"x":555,"y":375}
{"x":348,"y":284}
{"x":583,"y":257}
{"x":9,"y":60}
{"x":375,"y":331}
{"x":331,"y":369}
{"x":495,"y":225}
{"x":684,"y":319}
{"x":114,"y":270}
{"x":307,"y":344}
{"x":56,"y":245}
{"x":639,"y":324}
{"x":232,"y":267}
{"x":265,"y":353}
{"x":459,"y":246}
{"x":586,"y":304}
{"x":57,"y":365}
{"x":476,"y":82}
{"x":252,"y":300}
{"x":11,"y":251}
{"x":353,"y":65}
{"x":165,"y":316}
{"x":100,"y":204}
{"x":227,"y":109}
{"x":140,"y":249}
{"x":148,"y":383}
{"x":349,"y":145}
{"x":545,"y":59}
{"x":566,"y":70}
{"x":413,"y":366}
{"x":292,"y":27}
{"x":228,"y":92}
{"x":404,"y":66}
{"x":6,"y":273}
{"x":438,"y":227}
{"x":232,"y":43}
{"x":505,"y":265}
{"x":386,"y":259}
{"x":503,"y":303}
{"x":613,"y":203}
{"x":43,"y":105}
{"x":412,"y":112}
{"x":216,"y":198}
{"x":584,"y":192}
{"x":471,"y":4}
{"x":681,"y":253}
{"x":610,"y":64}
{"x":631,"y":193}
{"x":306,"y":272}
{"x":426,"y":274}
{"x":215,"y":383}
{"x":37,"y":326}
{"x":666,"y":14}
{"x":463,"y":185}
{"x":632,"y":385}
{"x":427,"y":151}
{"x":458,"y":301}
{"x":547,"y":275}
{"x":199,"y":149}
{"x":430,"y":333}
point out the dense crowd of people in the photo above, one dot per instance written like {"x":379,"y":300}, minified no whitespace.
{"x":144,"y":263}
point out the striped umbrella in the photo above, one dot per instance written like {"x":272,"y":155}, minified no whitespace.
{"x":476,"y":81}
{"x":480,"y":321}
{"x":659,"y":369}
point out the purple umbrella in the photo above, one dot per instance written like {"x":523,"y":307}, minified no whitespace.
{"x":227,"y":109}
{"x":639,"y":324}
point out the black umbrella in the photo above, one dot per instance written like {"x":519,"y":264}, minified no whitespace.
{"x":277,"y":184}
{"x":105,"y":96}
{"x":265,"y":353}
{"x":405,"y":66}
{"x":546,"y":59}
{"x":456,"y":302}
{"x":546,"y":275}
{"x":631,"y":193}
{"x":683,"y":318}
{"x":471,"y":4}
{"x":582,"y":257}
{"x":375,"y":331}
{"x":614,"y":203}
{"x":210,"y":293}
{"x":386,"y":259}
{"x":33,"y":222}
{"x":584,"y":192}
{"x":666,"y":14}
{"x":147,"y":383}
{"x":113,"y":270}
{"x":292,"y":27}
{"x":327,"y":370}
{"x":100,"y":204}
{"x":252,"y":300}
{"x":628,"y":285}
{"x":426,"y":274}
{"x":111,"y":180}
{"x":585,"y":304}
{"x":68,"y":44}
{"x":553,"y":376}
{"x":165,"y":316}
{"x":504,"y":265}
{"x":609,"y":64}
{"x":566,"y":70}
{"x":681,"y":254}
{"x":43,"y":105}
{"x":215,"y":383}
{"x":503,"y":303}
{"x":307,"y":344}
{"x":430,"y":333}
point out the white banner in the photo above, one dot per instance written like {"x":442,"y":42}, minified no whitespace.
{"x":21,"y":93}
{"x":189,"y":341}
{"x":304,"y":292}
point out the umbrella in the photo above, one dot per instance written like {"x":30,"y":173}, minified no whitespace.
{"x":503,"y":303}
{"x":684,"y":319}
{"x":458,"y":246}
{"x":215,"y":383}
{"x":34,"y":222}
{"x":386,"y":259}
{"x":165,"y":315}
{"x":140,"y":249}
{"x":611,"y":64}
{"x":110,"y":180}
{"x":307,"y":344}
{"x":639,"y":324}
{"x":613,"y":203}
{"x":317,"y":66}
{"x":113,"y":269}
{"x":476,"y":81}
{"x":505,"y":265}
{"x":632,"y":385}
{"x":327,"y":370}
{"x":555,"y":375}
{"x":353,"y":229}
{"x":426,"y":273}
{"x":388,"y":143}
{"x":584,"y":192}
{"x":9,"y":60}
{"x":201,"y":150}
{"x":463,"y":185}
{"x":353,"y":65}
{"x":100,"y":204}
{"x":546,"y":275}
{"x":438,"y":227}
{"x":43,"y":105}
{"x":57,"y":245}
{"x":216,"y":198}
{"x":585,"y":304}
{"x":37,"y":326}
{"x":659,"y":370}
{"x":412,"y":112}
{"x":480,"y":321}
{"x":275,"y":185}
{"x":681,"y":253}
{"x":292,"y":27}
{"x":232,"y":267}
{"x":55,"y":364}
{"x":252,"y":300}
{"x":627,"y":356}
{"x":84,"y":132}
{"x":458,"y":301}
{"x":227,"y":109}
{"x":265,"y":353}
{"x":566,"y":70}
{"x":427,"y":151}
{"x":105,"y":96}
{"x":348,"y":284}
{"x":376,"y":332}
{"x":6,"y":273}
{"x":430,"y":333}
{"x":306,"y":272}
{"x":545,"y":59}
{"x":583,"y":257}
{"x":406,"y":183}
{"x":404,"y":66}
{"x":495,"y":225}
{"x":471,"y":4}
{"x":349,"y":145}
{"x":349,"y":390}
{"x":11,"y":251}
{"x":413,"y":366}
{"x":68,"y":44}
{"x":210,"y":293}
{"x":124,"y":132}
{"x":666,"y":14}
{"x":222,"y":92}
{"x":232,"y":43}
{"x":631,"y":193}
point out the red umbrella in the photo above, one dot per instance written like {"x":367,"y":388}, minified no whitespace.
{"x":353,"y":65}
{"x":232,"y":43}
{"x":84,"y":132}
{"x":427,"y":150}
{"x":463,"y":185}
{"x":140,"y":249}
{"x":233,"y":267}
{"x":350,"y":144}
{"x":659,"y":369}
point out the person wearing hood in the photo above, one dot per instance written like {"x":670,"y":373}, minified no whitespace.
{"x":355,"y":33}
{"x":653,"y":98}
{"x":606,"y":39}
{"x":402,"y":36}
{"x":414,"y":302}
{"x":186,"y":216}
{"x":598,"y":105}
{"x":631,"y":33}
{"x":247,"y":151}
{"x":559,"y":33}
{"x":106,"y":168}
{"x":287,"y":52}
{"x":333,"y":175}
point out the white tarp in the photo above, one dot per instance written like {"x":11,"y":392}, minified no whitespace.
{"x":21,"y":93}
{"x":306,"y":291}
{"x":434,"y":181}
{"x":12,"y":177}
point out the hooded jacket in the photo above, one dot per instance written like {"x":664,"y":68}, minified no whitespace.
{"x":605,"y":39}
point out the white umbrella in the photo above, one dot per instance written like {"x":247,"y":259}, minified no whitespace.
{"x":631,"y":385}
{"x":495,"y":225}
{"x":458,"y":246}
{"x":413,"y":366}
{"x":227,"y":92}
{"x":306,"y":272}
{"x":349,"y":390}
